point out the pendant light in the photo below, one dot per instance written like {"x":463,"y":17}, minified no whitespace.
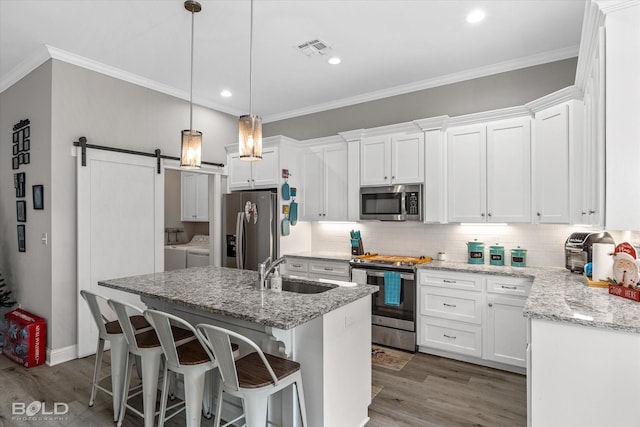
{"x":191,"y":152}
{"x":250,"y":125}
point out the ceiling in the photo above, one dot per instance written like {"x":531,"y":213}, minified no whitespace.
{"x":387,"y":47}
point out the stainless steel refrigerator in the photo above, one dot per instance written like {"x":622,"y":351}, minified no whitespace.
{"x":249,"y":228}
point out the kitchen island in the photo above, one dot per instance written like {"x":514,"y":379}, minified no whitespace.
{"x":329,"y":333}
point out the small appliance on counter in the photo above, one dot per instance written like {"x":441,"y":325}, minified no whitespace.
{"x":475,"y":250}
{"x":496,"y":254}
{"x":356,"y":243}
{"x":578,"y":248}
{"x":518,"y":257}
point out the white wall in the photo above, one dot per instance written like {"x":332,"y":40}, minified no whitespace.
{"x":544,"y":243}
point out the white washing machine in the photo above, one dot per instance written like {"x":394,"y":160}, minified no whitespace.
{"x":177,"y":256}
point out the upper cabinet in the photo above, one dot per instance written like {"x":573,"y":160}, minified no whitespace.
{"x":489,"y":172}
{"x":195,"y":197}
{"x":396,"y":159}
{"x":245,"y":175}
{"x":324,"y":183}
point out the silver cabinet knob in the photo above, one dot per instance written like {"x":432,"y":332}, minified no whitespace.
{"x":393,"y":177}
{"x":489,"y":214}
{"x":490,"y":304}
{"x":385,"y":177}
{"x":583,"y":213}
{"x":591,"y":212}
{"x":539,"y":214}
{"x":482,"y":214}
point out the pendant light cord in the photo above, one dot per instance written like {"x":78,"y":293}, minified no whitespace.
{"x":191,"y":77}
{"x":251,"y":60}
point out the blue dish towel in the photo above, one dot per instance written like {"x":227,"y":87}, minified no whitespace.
{"x":391,"y":288}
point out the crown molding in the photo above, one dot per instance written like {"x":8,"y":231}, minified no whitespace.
{"x":501,"y":67}
{"x":563,"y":95}
{"x":352,"y":135}
{"x":406,"y":127}
{"x":432,"y":123}
{"x":589,"y":41}
{"x":26,"y":66}
{"x":325,"y":140}
{"x":609,"y":6}
{"x":490,"y":116}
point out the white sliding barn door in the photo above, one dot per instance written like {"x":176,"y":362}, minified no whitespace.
{"x":120,"y":228}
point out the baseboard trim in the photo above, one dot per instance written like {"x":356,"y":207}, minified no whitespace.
{"x":61,"y":355}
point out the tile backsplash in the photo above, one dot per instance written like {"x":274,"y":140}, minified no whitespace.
{"x":544,"y":243}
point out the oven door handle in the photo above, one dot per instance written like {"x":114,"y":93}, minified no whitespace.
{"x":381,"y":274}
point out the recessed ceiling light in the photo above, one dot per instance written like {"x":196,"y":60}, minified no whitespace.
{"x":334,"y":60}
{"x":475,"y":16}
{"x":225,"y":93}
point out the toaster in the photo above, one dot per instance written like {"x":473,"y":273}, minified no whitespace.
{"x":578,"y":248}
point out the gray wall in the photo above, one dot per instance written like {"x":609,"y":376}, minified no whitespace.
{"x":502,"y":90}
{"x":65,"y":102}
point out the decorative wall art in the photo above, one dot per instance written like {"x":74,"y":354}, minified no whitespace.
{"x":21,"y":144}
{"x":38,"y":196}
{"x":21,"y":211}
{"x":21,"y":239}
{"x":19,"y":182}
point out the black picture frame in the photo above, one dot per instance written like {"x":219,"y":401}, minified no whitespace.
{"x":26,"y":132}
{"x":16,"y":137}
{"x":19,"y":182}
{"x":26,"y":145}
{"x":16,"y":148}
{"x":26,"y":159}
{"x":15,"y":163}
{"x":38,"y":196}
{"x":22,"y":247}
{"x":21,"y":210}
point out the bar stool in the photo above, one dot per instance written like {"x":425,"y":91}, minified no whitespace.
{"x":147,"y":346}
{"x":109,"y":330}
{"x":253,"y":378}
{"x":193,"y":360}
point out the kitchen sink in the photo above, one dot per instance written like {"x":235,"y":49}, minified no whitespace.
{"x":306,"y":287}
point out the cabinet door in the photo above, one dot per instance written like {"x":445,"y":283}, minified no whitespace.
{"x":239,"y":173}
{"x":336,"y":270}
{"x":375,"y":161}
{"x":189,"y":196}
{"x":407,"y":157}
{"x":312,"y":192}
{"x":551,"y":163}
{"x":202,"y":197}
{"x":466,"y":165}
{"x":506,"y":330}
{"x":509,"y":171}
{"x":265,"y":172}
{"x":335,"y":182}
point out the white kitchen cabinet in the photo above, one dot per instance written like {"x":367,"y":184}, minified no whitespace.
{"x":489,"y":172}
{"x":195,"y":197}
{"x":395,"y":159}
{"x":551,"y":164}
{"x":324,"y":183}
{"x":245,"y":175}
{"x":506,"y":330}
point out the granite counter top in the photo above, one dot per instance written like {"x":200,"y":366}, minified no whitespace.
{"x":231,"y":292}
{"x":561,"y":296}
{"x":322,"y":256}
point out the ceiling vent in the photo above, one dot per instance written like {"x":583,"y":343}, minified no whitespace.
{"x":314,"y":47}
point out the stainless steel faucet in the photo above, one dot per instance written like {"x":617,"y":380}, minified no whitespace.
{"x":265,"y":269}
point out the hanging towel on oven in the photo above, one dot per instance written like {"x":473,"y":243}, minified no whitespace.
{"x":391,"y":288}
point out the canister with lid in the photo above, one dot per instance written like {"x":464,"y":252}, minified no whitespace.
{"x":476,"y":252}
{"x":518,"y":257}
{"x":496,"y":254}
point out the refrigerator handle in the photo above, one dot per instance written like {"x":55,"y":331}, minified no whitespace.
{"x":239,"y":239}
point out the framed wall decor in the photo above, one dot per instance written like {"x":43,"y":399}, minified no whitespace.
{"x":21,"y":239}
{"x":19,"y":182}
{"x":38,"y":196}
{"x":21,"y":210}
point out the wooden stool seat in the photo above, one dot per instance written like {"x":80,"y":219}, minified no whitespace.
{"x":149,"y":339}
{"x":252,"y":373}
{"x":192,"y":353}
{"x":138,"y":322}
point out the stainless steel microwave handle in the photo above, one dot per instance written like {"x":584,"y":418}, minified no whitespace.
{"x":381,"y":274}
{"x":403,"y":202}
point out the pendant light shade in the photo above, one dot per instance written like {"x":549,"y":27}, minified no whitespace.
{"x":250,"y":125}
{"x":250,"y":137}
{"x":191,"y":146}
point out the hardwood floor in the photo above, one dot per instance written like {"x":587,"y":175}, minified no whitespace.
{"x":428,"y":391}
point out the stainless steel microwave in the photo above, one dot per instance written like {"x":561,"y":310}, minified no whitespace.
{"x":391,"y":203}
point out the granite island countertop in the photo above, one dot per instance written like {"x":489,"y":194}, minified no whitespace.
{"x":231,"y":292}
{"x":561,"y":296}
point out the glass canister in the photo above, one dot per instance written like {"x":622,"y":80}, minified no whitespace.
{"x":475,"y":250}
{"x":518,"y":257}
{"x":496,"y":254}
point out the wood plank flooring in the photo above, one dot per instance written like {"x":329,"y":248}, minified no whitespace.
{"x":428,"y":391}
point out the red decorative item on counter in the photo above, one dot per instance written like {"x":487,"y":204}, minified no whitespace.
{"x":624,"y":292}
{"x":25,"y":338}
{"x":626,"y":248}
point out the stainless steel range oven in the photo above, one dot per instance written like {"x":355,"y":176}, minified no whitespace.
{"x":391,"y":325}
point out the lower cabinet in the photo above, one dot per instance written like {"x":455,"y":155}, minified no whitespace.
{"x":317,"y":269}
{"x":473,"y":317}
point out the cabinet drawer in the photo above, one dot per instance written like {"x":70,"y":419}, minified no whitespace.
{"x":321,"y":269}
{"x":297,"y":266}
{"x":519,"y":286}
{"x":451,"y":304}
{"x":451,"y":336}
{"x":450,"y":280}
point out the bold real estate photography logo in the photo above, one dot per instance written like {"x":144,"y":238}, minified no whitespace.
{"x":39,"y":411}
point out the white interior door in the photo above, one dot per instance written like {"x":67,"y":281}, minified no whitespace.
{"x":120,"y":222}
